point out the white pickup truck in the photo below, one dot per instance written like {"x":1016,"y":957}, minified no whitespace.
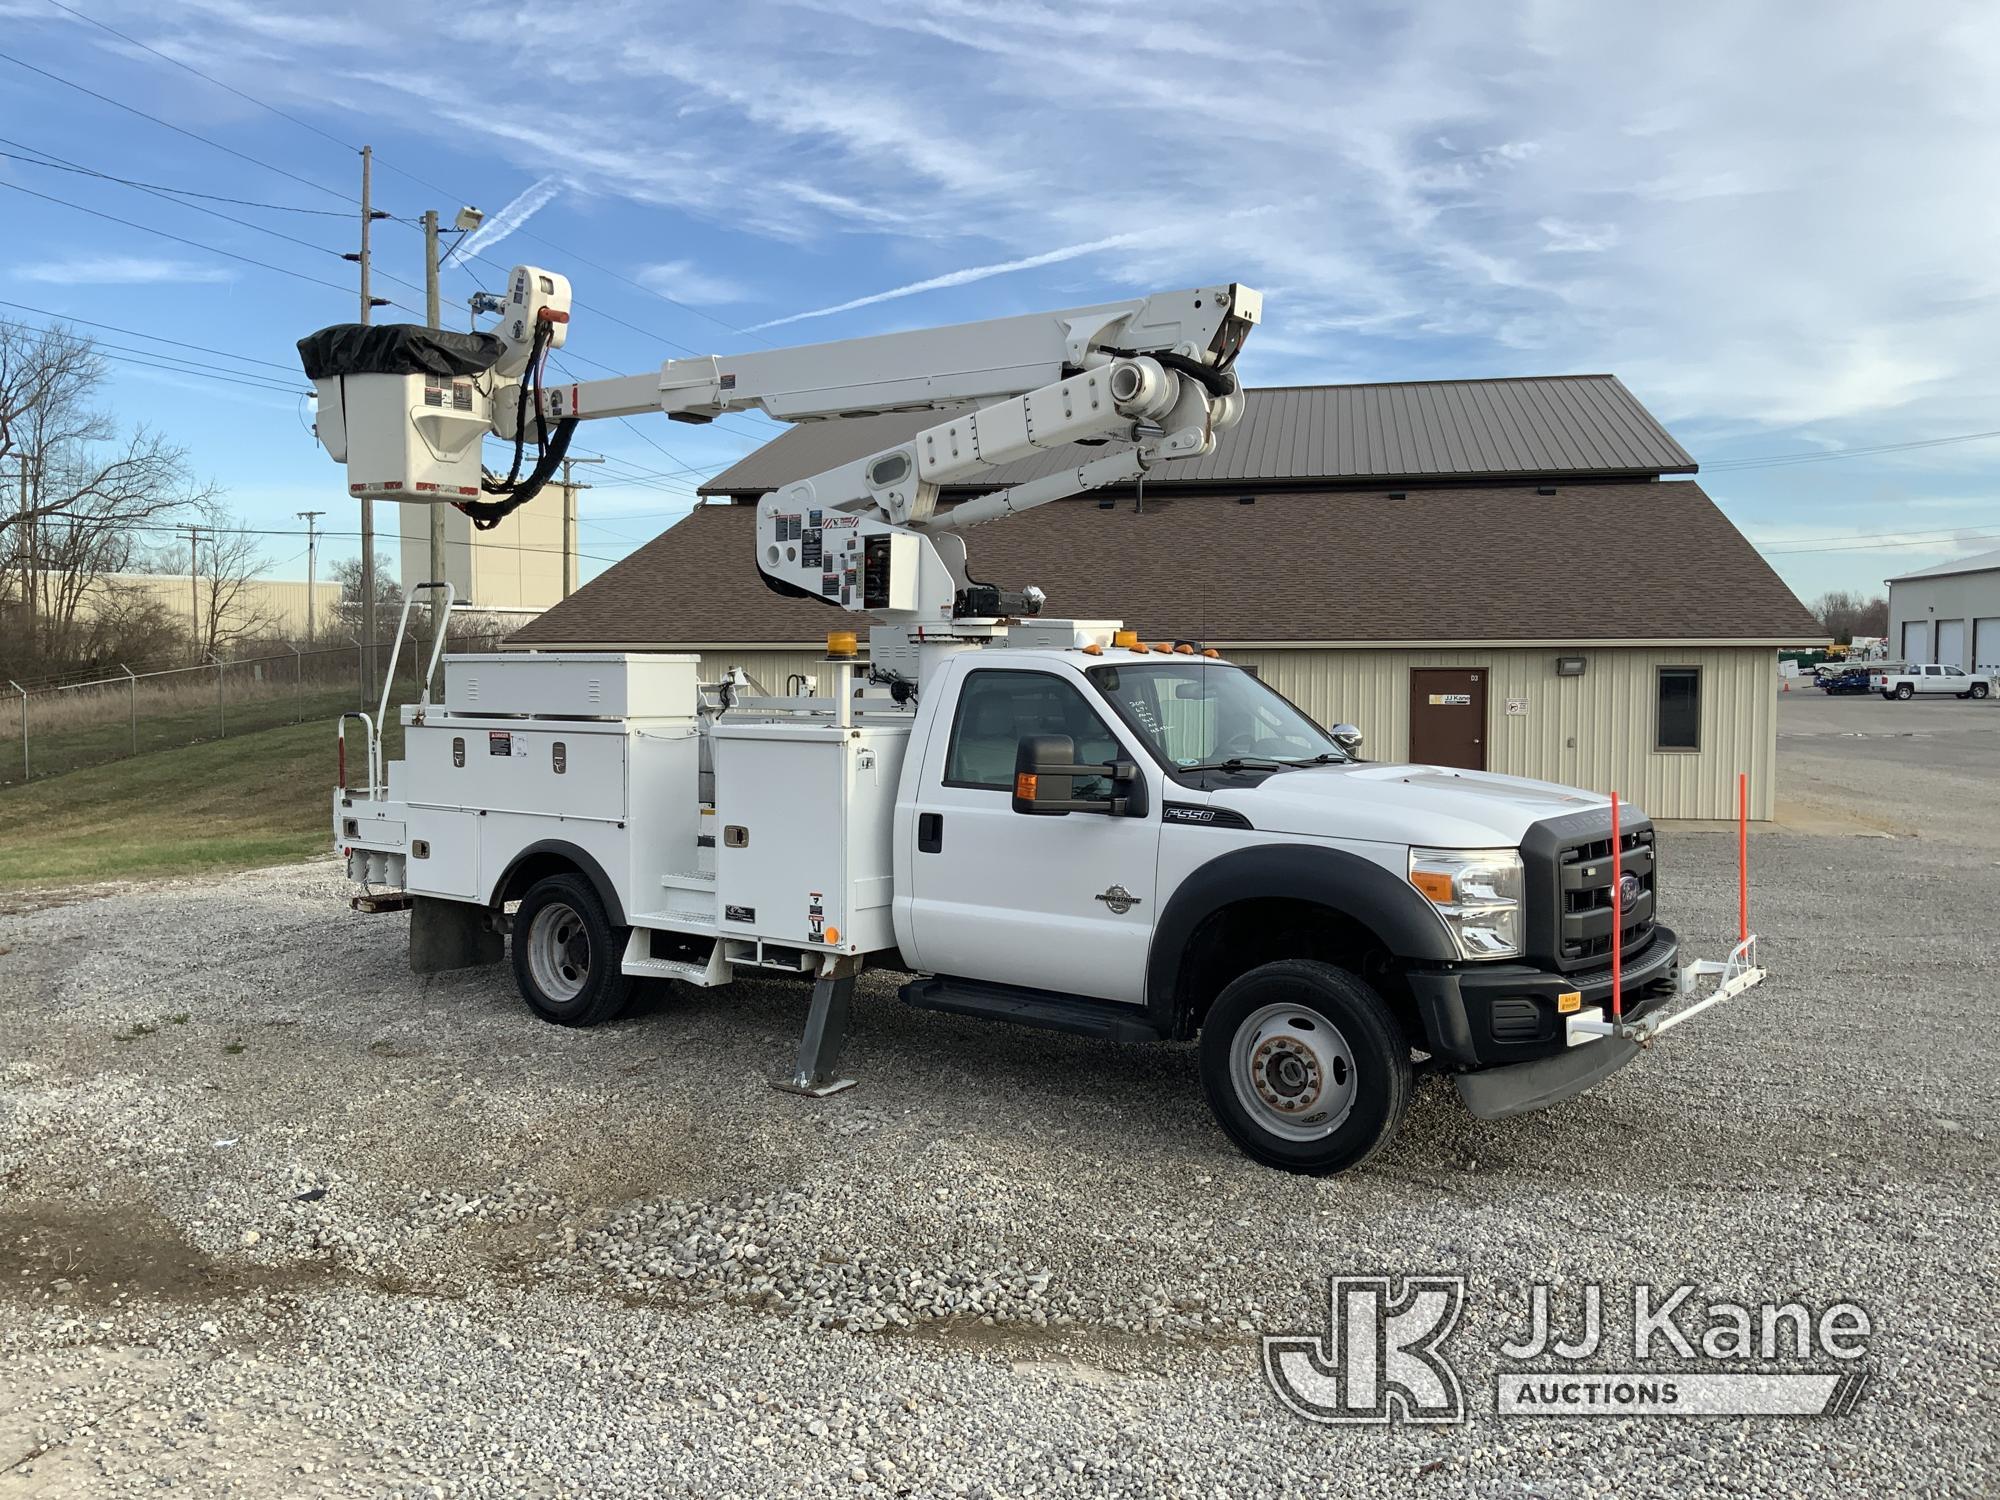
{"x":1929,"y":678}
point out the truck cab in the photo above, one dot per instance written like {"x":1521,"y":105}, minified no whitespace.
{"x":1197,"y":857}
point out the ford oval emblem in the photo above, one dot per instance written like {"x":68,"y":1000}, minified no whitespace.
{"x":1629,"y":891}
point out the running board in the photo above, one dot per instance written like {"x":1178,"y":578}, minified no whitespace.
{"x":1041,"y":1009}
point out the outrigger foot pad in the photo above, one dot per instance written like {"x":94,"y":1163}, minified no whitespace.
{"x":825,"y":1035}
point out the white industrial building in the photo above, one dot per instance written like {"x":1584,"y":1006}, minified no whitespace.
{"x":1949,"y":613}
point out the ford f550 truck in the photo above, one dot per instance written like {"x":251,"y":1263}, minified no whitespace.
{"x":1044,"y":821}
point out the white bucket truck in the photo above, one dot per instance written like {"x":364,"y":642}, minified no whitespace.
{"x":1043,"y":821}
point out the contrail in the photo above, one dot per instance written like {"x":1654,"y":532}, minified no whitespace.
{"x":510,"y":218}
{"x":960,"y":278}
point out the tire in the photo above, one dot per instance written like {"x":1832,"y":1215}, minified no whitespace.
{"x":567,"y":954}
{"x":1904,"y":692}
{"x":1295,"y":1026}
{"x":1979,"y":690}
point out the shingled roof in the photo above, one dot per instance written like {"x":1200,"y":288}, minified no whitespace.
{"x":1419,"y":431}
{"x":1618,"y":561}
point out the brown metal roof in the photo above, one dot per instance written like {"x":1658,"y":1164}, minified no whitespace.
{"x":1551,"y":427}
{"x":1630,"y":561}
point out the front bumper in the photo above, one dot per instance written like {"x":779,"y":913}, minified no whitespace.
{"x":1495,"y":1014}
{"x":1593,"y":1047}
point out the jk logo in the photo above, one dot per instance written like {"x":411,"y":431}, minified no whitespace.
{"x":1381,"y":1358}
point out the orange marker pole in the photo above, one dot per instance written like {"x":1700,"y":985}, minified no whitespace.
{"x":1742,"y":857}
{"x":1617,"y":917}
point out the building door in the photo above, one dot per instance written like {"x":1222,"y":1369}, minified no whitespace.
{"x":1986,"y":645}
{"x":1951,"y":642}
{"x":1448,"y":717}
{"x":1916,"y":641}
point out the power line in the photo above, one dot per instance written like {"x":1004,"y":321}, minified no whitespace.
{"x":1775,"y":460}
{"x":183,"y":240}
{"x":1940,"y":542}
{"x":156,"y":338}
{"x":57,"y":164}
{"x":191,"y":68}
{"x":354,"y":535}
{"x":165,"y":194}
{"x":178,"y":130}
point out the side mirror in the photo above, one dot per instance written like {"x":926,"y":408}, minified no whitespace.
{"x":1045,"y":775}
{"x":1347,"y":737}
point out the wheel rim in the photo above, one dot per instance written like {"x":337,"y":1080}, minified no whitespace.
{"x":559,"y":951}
{"x":1293,"y":1072}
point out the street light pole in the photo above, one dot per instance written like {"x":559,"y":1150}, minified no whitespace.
{"x":439,"y":624}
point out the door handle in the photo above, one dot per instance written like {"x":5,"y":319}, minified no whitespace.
{"x":930,"y":833}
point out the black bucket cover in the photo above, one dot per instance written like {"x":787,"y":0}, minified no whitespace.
{"x":396,"y":349}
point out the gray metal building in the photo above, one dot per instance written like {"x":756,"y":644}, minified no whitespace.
{"x":1496,"y":574}
{"x":1949,"y":613}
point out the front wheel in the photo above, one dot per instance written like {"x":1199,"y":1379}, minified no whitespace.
{"x":1979,"y":690}
{"x":568,"y":957}
{"x":1305,"y":1067}
{"x":1904,"y":692}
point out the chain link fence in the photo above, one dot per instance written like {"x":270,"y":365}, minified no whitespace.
{"x":47,"y":730}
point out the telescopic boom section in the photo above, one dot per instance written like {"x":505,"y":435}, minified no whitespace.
{"x":1153,"y":375}
{"x":1152,"y":380}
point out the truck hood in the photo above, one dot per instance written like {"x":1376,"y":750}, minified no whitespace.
{"x":1406,"y":804}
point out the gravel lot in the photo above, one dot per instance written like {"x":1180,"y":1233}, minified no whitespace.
{"x":277,"y":1218}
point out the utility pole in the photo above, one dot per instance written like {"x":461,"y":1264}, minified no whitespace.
{"x":369,"y":303}
{"x":312,"y":566}
{"x":569,"y":524}
{"x":194,"y":587}
{"x":432,"y":319}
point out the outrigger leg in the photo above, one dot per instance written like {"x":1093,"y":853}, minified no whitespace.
{"x":825,"y":1033}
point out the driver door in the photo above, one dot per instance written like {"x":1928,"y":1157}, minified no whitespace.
{"x":1063,"y":903}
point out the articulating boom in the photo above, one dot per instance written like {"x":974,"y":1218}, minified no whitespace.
{"x":1153,"y":375}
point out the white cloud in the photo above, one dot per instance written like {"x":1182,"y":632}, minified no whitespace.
{"x":684,"y":281}
{"x":1693,"y":199}
{"x":960,"y":278}
{"x":1565,"y":238}
{"x":122,"y":270}
{"x":498,"y":226}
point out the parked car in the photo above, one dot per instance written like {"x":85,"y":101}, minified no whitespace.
{"x":1931,"y":677}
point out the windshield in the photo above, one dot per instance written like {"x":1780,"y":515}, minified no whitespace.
{"x":1197,"y":712}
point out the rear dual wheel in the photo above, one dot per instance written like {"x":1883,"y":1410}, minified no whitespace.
{"x":1304,"y":1067}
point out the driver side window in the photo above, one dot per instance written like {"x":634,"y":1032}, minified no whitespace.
{"x":997,"y":708}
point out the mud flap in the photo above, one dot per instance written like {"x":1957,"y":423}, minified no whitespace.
{"x":447,"y":935}
{"x":1498,"y":1093}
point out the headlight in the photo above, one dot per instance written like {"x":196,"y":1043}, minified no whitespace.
{"x":1478,"y":893}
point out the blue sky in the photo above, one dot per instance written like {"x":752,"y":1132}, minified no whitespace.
{"x":1780,"y":235}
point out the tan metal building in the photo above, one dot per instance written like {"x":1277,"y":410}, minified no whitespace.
{"x":1493,"y":574}
{"x":514,"y":569}
{"x":257,"y":606}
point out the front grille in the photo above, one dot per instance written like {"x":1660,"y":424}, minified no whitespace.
{"x":1586,"y":879}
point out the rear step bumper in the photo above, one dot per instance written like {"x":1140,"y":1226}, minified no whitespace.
{"x":1042,"y":1009}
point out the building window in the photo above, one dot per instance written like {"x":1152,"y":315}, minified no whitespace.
{"x":1677,"y":723}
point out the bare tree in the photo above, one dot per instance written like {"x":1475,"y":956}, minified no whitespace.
{"x":77,"y":492}
{"x":233,"y":608}
{"x":1844,"y":615}
{"x":388,"y":592}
